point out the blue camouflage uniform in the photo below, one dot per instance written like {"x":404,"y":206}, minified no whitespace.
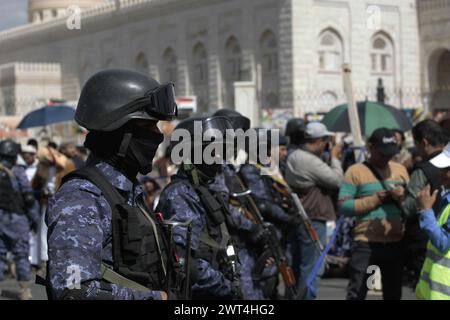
{"x":239,"y":226}
{"x":273,"y":212}
{"x":255,"y":183}
{"x":80,"y":234}
{"x":15,"y":228}
{"x":180,"y":202}
{"x":247,"y":253}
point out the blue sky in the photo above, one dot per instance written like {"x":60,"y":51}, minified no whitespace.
{"x":12,"y":13}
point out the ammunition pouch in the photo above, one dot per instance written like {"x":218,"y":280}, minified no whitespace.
{"x":138,"y":240}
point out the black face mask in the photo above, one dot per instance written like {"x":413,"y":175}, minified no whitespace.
{"x":210,"y":170}
{"x":142,"y":149}
{"x":8,"y":162}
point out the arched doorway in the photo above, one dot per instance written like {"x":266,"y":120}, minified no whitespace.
{"x":169,"y":68}
{"x":268,"y":57}
{"x":232,"y":69}
{"x":439,"y":74}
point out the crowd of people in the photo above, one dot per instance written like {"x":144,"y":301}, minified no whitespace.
{"x":96,"y":222}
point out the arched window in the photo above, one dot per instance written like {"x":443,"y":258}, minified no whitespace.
{"x":232,"y":69}
{"x":268,"y":48}
{"x":199,"y":76}
{"x":382,"y":54}
{"x":233,"y":59}
{"x":330,"y":51}
{"x":199,"y":64}
{"x":269,"y":52}
{"x":169,"y":66}
{"x":328,"y":100}
{"x":441,"y":96}
{"x":141,"y":63}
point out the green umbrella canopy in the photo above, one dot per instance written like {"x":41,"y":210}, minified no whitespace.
{"x":372,"y":115}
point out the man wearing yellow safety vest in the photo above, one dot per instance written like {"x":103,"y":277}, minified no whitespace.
{"x":434,"y":283}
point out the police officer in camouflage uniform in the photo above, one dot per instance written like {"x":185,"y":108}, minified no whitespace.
{"x":198,"y":193}
{"x":258,"y":273}
{"x":249,"y":239}
{"x":270,"y":202}
{"x":18,"y":214}
{"x":103,"y":242}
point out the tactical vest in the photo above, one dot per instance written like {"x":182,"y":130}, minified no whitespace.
{"x":215,"y":239}
{"x":10,"y":200}
{"x":434,"y":283}
{"x":138,"y":240}
{"x":432,"y":174}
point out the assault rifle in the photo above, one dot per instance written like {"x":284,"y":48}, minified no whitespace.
{"x":273,"y":244}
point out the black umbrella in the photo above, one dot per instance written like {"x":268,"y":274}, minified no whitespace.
{"x":47,"y":115}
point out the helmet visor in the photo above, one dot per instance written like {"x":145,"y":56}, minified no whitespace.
{"x":162,"y":104}
{"x":218,"y":124}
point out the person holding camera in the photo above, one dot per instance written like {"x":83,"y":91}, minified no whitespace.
{"x":314,"y":181}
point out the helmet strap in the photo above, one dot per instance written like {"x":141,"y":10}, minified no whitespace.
{"x":124,"y":144}
{"x":197,"y":176}
{"x":192,"y":171}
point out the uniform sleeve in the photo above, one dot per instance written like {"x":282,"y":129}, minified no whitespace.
{"x":439,"y":236}
{"x":182,"y":204}
{"x":276,"y":212}
{"x":210,"y":281}
{"x":253,"y":181}
{"x":349,"y":204}
{"x":75,"y":238}
{"x":239,"y":220}
{"x":256,"y":184}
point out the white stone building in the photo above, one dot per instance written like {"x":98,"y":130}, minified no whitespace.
{"x":293,"y":49}
{"x":434,"y":22}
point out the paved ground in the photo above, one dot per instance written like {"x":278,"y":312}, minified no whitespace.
{"x":334,"y":289}
{"x":330,"y":289}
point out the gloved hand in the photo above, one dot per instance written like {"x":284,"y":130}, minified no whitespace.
{"x":259,"y":235}
{"x":294,"y":220}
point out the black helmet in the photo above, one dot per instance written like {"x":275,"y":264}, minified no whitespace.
{"x":9,"y":148}
{"x":238,"y":121}
{"x":8,"y":153}
{"x":111,"y":98}
{"x":222,"y":124}
{"x":295,"y":130}
{"x":295,"y":126}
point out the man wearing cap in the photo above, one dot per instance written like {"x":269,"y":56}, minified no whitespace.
{"x":430,"y":139}
{"x":372,"y":192}
{"x":434,"y":283}
{"x":314,"y":181}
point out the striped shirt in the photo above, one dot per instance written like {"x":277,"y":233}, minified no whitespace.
{"x":375,"y":221}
